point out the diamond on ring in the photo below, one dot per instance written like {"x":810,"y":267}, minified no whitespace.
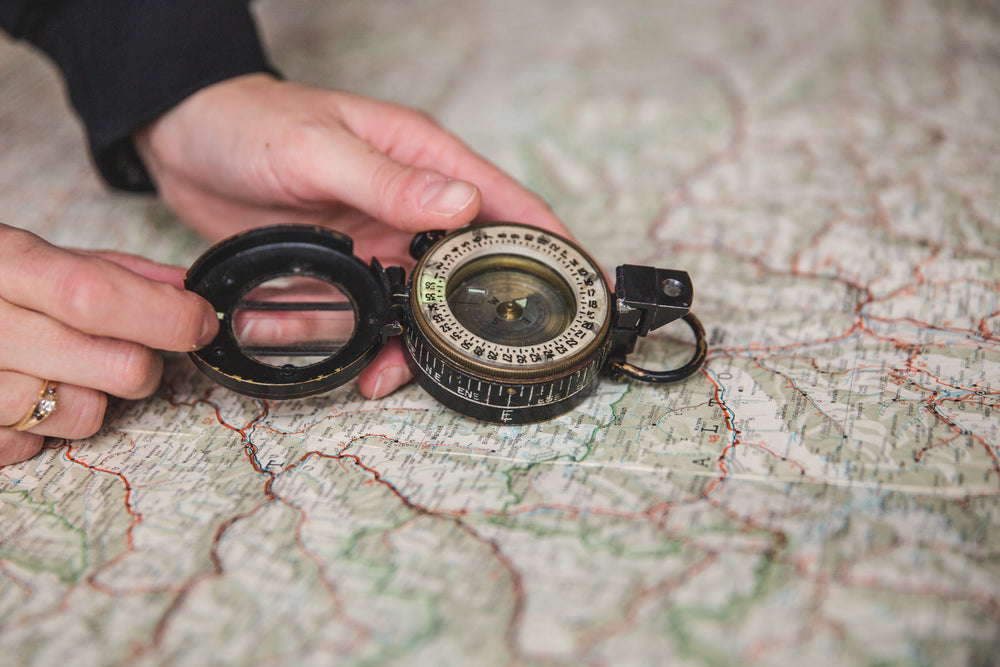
{"x":40,"y":411}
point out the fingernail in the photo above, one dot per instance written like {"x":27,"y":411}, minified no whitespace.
{"x":209,"y":327}
{"x":389,"y":380}
{"x":447,"y":197}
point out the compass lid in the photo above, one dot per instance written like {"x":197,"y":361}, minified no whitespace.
{"x":234,"y":277}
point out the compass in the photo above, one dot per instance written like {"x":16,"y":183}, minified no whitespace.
{"x":502,"y":322}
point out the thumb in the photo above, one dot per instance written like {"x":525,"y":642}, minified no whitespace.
{"x":403,"y":197}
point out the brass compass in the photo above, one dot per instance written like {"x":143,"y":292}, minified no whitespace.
{"x":502,"y":322}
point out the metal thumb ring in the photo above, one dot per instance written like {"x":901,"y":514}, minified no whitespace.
{"x":40,"y":411}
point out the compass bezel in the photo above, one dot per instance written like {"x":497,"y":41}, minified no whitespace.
{"x":229,"y":270}
{"x":433,"y":316}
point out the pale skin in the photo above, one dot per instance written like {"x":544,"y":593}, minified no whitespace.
{"x":243,"y":153}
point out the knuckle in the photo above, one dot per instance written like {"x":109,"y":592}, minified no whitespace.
{"x":291,"y":170}
{"x":16,"y":447}
{"x":12,"y":404}
{"x":396,"y":189}
{"x":81,"y":295}
{"x":133,"y":370}
{"x":19,"y":245}
{"x":89,"y":409}
{"x":18,"y":240}
{"x":421,"y":117}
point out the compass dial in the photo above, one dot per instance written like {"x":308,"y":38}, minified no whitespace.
{"x":510,"y":301}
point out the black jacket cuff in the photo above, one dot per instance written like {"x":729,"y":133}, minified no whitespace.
{"x":126,"y":62}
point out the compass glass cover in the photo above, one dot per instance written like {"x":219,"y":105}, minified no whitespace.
{"x":510,"y":301}
{"x":294,"y":320}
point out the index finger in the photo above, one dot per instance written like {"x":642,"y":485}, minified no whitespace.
{"x":99,"y":297}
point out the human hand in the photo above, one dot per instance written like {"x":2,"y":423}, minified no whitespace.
{"x":254,"y":151}
{"x":89,"y":321}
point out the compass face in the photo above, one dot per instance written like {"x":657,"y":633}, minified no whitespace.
{"x":510,"y":300}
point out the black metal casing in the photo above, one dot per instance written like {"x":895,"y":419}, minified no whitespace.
{"x":644,"y":299}
{"x":232,"y":268}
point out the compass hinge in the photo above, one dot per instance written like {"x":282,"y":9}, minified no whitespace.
{"x":399,"y":298}
{"x":646,"y":298}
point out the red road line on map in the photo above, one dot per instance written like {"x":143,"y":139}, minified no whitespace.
{"x":517,"y":584}
{"x":218,"y":570}
{"x":769,"y":643}
{"x":92,"y":578}
{"x":25,"y":588}
{"x":242,"y":431}
{"x":680,"y":193}
{"x":171,"y":397}
{"x":933,"y":327}
{"x":794,"y":385}
{"x":364,"y":633}
{"x":982,"y":326}
{"x":978,"y":596}
{"x":727,"y":420}
{"x":136,"y":516}
{"x":642,"y":597}
{"x":844,"y":576}
{"x":160,"y":630}
{"x":932,"y":402}
{"x":990,"y":450}
{"x":376,"y":475}
{"x":919,"y":454}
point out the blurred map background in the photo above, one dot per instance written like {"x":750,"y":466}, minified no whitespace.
{"x":826,"y":491}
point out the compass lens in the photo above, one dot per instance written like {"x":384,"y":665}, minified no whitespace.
{"x":293,"y":320}
{"x":511,"y":300}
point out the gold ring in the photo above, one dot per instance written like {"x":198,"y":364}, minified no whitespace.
{"x":40,"y":411}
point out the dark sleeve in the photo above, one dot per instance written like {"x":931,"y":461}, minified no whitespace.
{"x":125,"y":62}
